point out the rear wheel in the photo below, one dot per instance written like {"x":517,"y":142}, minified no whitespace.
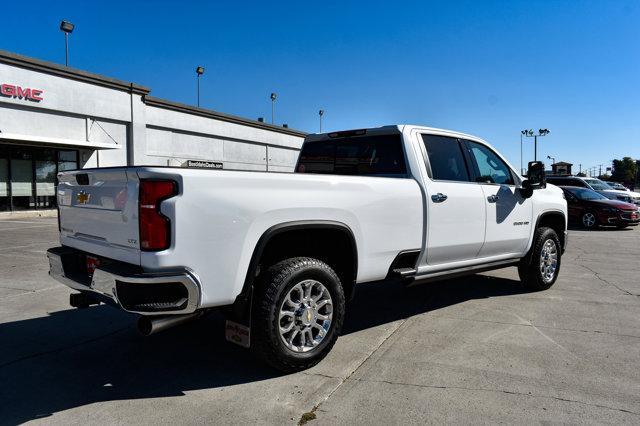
{"x":589,"y":220}
{"x":298,"y":313}
{"x":539,"y":270}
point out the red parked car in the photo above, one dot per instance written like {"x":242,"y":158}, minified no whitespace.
{"x":591,"y":209}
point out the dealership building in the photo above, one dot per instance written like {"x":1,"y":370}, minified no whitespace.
{"x":55,"y":118}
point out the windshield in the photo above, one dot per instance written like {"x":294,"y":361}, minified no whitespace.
{"x":586,"y":194}
{"x":598,"y":185}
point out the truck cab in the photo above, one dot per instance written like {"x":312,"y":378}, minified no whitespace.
{"x":476,"y":207}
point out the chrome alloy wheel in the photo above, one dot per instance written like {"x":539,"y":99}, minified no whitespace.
{"x":588,"y":220}
{"x":548,"y":260}
{"x":305,"y":316}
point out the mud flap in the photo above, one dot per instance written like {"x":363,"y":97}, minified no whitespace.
{"x":237,"y":333}
{"x":237,"y":327}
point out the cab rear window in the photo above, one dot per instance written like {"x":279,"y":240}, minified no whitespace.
{"x":380,"y":155}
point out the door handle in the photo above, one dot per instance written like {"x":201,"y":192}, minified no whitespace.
{"x":493,"y":198}
{"x":438,"y":198}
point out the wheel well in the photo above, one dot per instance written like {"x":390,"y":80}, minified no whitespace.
{"x":331,"y":243}
{"x":555,"y":221}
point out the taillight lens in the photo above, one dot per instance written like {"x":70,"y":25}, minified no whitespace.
{"x":155,"y":228}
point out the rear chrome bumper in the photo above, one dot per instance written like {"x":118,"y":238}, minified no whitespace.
{"x":106,"y":281}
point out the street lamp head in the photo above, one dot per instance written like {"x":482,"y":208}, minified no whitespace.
{"x":321,"y":112}
{"x":200,"y":70}
{"x":543,"y":132}
{"x":67,"y":27}
{"x":273,"y":96}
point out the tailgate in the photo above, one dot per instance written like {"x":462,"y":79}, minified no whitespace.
{"x":99,"y":212}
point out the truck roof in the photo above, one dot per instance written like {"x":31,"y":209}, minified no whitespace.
{"x":389,"y":129}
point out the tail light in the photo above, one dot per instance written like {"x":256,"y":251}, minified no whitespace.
{"x":155,"y":228}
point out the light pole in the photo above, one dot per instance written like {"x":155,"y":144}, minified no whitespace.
{"x":320,"y":114}
{"x":530,"y":133}
{"x":67,"y":28}
{"x":522,"y":133}
{"x":273,"y":107}
{"x":199,"y":72}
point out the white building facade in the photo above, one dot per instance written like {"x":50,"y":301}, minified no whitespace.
{"x":55,"y":118}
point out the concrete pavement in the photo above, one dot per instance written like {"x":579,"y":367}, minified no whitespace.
{"x":475,"y":349}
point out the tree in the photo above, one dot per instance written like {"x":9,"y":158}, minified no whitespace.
{"x":625,"y":170}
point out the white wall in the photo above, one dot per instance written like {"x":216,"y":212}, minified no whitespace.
{"x":172,"y":137}
{"x":84,"y":113}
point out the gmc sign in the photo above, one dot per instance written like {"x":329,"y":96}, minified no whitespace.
{"x":13,"y":91}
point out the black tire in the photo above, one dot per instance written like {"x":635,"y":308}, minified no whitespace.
{"x":589,"y":220}
{"x":272,"y":288}
{"x":530,"y":268}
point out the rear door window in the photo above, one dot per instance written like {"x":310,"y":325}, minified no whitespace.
{"x":446,"y":158}
{"x":380,"y":155}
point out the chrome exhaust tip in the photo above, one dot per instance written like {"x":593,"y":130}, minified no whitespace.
{"x":148,"y":325}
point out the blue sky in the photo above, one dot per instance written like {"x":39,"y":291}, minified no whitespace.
{"x":490,"y":68}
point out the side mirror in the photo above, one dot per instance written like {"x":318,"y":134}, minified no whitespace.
{"x":536,"y":179}
{"x":536,"y":176}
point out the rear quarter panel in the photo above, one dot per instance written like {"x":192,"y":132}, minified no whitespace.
{"x":219,"y":216}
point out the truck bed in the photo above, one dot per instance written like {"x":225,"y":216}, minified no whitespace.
{"x":217,"y":218}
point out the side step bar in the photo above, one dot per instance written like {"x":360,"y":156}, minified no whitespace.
{"x":404,"y":272}
{"x":459,"y":272}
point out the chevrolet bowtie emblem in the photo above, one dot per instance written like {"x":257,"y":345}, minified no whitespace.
{"x":82,"y":197}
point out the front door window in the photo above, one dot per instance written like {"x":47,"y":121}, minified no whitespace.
{"x":491,"y":169}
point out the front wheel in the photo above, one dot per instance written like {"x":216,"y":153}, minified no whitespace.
{"x":589,"y":220}
{"x":298,"y":313}
{"x":539,"y":270}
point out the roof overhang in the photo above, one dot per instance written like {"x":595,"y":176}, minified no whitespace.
{"x":54,"y":142}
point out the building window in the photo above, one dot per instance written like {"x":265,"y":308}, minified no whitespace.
{"x":67,"y":160}
{"x":5,"y":202}
{"x":22,"y":179}
{"x":28,"y":176}
{"x":45,"y":178}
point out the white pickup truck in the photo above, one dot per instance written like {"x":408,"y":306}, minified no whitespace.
{"x":281,"y":253}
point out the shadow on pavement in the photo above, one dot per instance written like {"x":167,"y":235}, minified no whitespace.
{"x":74,"y":358}
{"x":381,"y":303}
